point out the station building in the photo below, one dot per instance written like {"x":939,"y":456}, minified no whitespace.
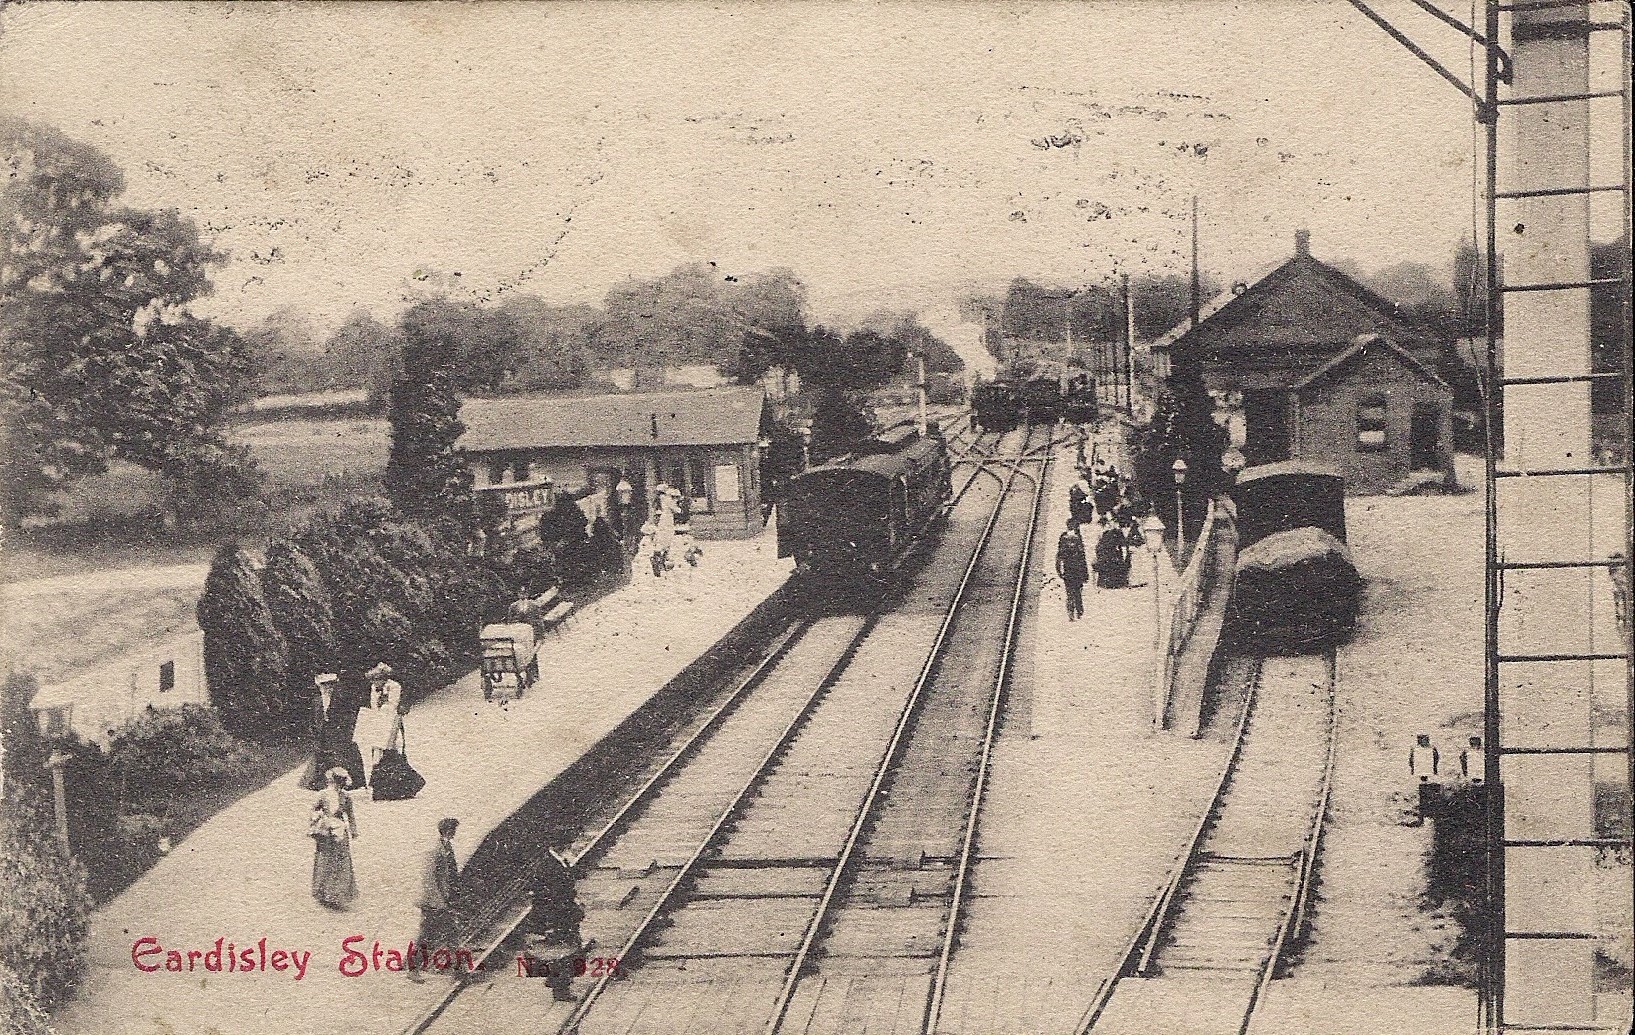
{"x":106,"y":696}
{"x":707,"y":443}
{"x":1306,"y":363}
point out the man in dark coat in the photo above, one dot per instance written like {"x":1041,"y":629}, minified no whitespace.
{"x":1071,"y":566}
{"x":553,"y":948}
{"x":437,"y":929}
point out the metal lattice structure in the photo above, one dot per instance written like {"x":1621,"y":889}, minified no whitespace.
{"x":1559,"y":692}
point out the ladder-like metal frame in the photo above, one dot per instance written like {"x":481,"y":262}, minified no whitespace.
{"x":1491,"y":108}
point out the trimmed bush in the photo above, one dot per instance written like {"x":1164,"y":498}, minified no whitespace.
{"x":43,"y":901}
{"x":20,"y":1012}
{"x":302,"y":610}
{"x":245,"y":657}
{"x":169,"y":752}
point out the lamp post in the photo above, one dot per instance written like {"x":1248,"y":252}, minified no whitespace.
{"x":1179,"y":468}
{"x":1152,"y":535}
{"x":1233,"y":461}
{"x":59,"y":793}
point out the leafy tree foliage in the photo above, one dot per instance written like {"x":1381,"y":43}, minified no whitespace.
{"x":301,"y":609}
{"x":43,"y":901}
{"x":245,"y":657}
{"x":839,"y":423}
{"x":20,"y":1012}
{"x":426,"y":473}
{"x":1183,"y":426}
{"x":917,"y":340}
{"x":101,"y":357}
{"x":696,"y":314}
{"x":175,"y":751}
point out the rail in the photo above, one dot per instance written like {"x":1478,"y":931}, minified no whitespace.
{"x":728,"y":815}
{"x":510,"y":907}
{"x":1001,"y":681}
{"x":888,"y":759}
{"x":1294,"y":921}
{"x":1138,"y":953}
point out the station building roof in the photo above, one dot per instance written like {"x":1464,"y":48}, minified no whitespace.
{"x":693,"y":417}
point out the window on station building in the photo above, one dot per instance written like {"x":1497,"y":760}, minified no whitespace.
{"x":1371,"y":422}
{"x":521,"y":470}
{"x":167,"y":677}
{"x":496,"y":471}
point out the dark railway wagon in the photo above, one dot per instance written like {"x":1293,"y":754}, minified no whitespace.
{"x":994,"y":407}
{"x":1079,"y":400}
{"x":857,"y":514}
{"x":1042,"y":399}
{"x":1296,"y":587}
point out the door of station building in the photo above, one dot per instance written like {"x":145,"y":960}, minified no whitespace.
{"x":1424,"y":437}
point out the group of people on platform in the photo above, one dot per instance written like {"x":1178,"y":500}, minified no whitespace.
{"x":348,"y":735}
{"x":354,"y":746}
{"x":667,"y":534}
{"x":1102,"y":500}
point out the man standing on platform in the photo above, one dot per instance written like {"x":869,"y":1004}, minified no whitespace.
{"x":436,"y":900}
{"x":1073,"y":569}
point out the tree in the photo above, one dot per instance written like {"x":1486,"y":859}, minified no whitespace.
{"x":426,"y":473}
{"x":1183,"y":426}
{"x":301,"y":609}
{"x":476,"y":346}
{"x":245,"y":658}
{"x":44,"y":904}
{"x":101,"y":357}
{"x":363,"y":352}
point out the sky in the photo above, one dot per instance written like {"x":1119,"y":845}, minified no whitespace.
{"x":892,"y":155}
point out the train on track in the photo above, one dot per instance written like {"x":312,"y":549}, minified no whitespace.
{"x":994,"y":407}
{"x":1005,"y":404}
{"x":1296,"y":588}
{"x":857,"y":514}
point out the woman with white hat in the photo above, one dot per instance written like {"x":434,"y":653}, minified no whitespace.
{"x":380,"y":723}
{"x":333,"y":826}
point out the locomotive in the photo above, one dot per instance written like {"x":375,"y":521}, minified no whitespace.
{"x":1296,"y":588}
{"x":857,"y":514}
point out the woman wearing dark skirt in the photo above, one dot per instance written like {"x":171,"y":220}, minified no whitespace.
{"x":333,"y":826}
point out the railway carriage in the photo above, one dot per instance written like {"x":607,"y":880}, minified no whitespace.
{"x":1295,"y":587}
{"x":858,"y":513}
{"x":994,"y":407}
{"x":1042,"y":399}
{"x":1079,"y":400}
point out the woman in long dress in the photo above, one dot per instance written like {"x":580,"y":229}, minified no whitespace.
{"x":333,"y":826}
{"x":380,"y":722}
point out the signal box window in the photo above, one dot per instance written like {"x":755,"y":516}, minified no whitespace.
{"x":1371,"y":423}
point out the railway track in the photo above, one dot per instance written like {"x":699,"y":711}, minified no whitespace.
{"x":892,"y":923}
{"x":728,"y":947}
{"x":670,"y":849}
{"x":1221,"y":926}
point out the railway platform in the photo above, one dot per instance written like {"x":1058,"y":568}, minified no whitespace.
{"x":1088,"y":807}
{"x":245,"y":875}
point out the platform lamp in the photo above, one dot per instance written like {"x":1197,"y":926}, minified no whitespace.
{"x":1179,"y":469}
{"x":1233,"y":461}
{"x":1152,"y":536}
{"x":623,"y":494}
